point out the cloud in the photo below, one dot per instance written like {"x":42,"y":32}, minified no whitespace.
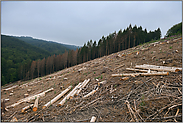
{"x":76,"y":22}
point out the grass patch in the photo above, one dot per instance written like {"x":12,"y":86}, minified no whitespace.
{"x":170,"y":47}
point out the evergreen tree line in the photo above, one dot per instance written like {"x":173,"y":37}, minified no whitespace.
{"x":114,"y":42}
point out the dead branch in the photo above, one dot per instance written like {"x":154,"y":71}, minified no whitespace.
{"x":170,"y":117}
{"x":91,"y":102}
{"x":119,"y":66}
{"x":131,"y":111}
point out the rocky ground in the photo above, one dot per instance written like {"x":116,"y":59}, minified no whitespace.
{"x":137,"y":99}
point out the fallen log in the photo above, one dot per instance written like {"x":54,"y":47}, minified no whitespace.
{"x":68,"y":96}
{"x":91,"y":93}
{"x":10,"y":88}
{"x":74,"y":93}
{"x":93,"y":119}
{"x":57,"y":97}
{"x":82,"y":86}
{"x":141,"y":74}
{"x":132,"y":69}
{"x":159,"y":68}
{"x":27,"y":107}
{"x":29,"y":98}
{"x":35,"y":104}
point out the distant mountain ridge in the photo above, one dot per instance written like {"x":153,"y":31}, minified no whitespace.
{"x":50,"y":46}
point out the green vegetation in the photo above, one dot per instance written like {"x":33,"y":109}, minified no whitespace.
{"x":142,"y":101}
{"x":16,"y":58}
{"x":175,"y":30}
{"x":49,"y":46}
{"x":101,"y":76}
{"x":170,"y":47}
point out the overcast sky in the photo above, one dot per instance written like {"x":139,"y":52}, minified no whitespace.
{"x":76,"y":22}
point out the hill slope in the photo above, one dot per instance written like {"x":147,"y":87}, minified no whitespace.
{"x":137,"y":98}
{"x":14,"y":53}
{"x":52,"y":47}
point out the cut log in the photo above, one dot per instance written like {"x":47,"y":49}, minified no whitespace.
{"x":141,"y":74}
{"x":132,"y":69}
{"x":159,"y":68}
{"x":91,"y":93}
{"x":29,"y":98}
{"x":10,"y":88}
{"x":93,"y":119}
{"x":35,"y":104}
{"x":77,"y":88}
{"x":27,"y":107}
{"x":56,"y":98}
{"x":82,"y":86}
{"x":68,"y":96}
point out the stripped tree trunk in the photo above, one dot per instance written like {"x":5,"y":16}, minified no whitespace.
{"x":57,"y":97}
{"x":141,"y":74}
{"x":36,"y":104}
{"x":27,"y":107}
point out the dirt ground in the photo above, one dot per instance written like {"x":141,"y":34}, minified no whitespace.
{"x":150,"y":97}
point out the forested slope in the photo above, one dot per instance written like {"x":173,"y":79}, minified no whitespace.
{"x":52,"y":47}
{"x":15,"y":53}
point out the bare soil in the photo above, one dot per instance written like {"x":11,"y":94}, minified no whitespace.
{"x":150,"y":97}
